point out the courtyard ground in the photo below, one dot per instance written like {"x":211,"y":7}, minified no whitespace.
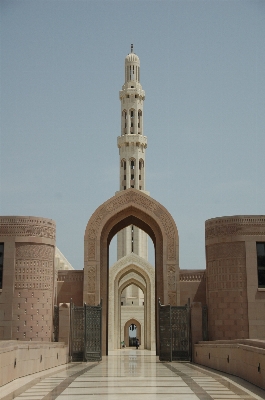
{"x":130,"y":374}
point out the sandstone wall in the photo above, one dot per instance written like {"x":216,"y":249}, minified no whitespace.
{"x":18,"y":359}
{"x":242,"y":358}
{"x":236,"y":305}
{"x":192,"y":286}
{"x":27,"y":294}
{"x":70,"y":286}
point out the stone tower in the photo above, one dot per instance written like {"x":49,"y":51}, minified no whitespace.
{"x":132,"y":144}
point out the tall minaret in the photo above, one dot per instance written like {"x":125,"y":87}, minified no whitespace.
{"x":132,"y":144}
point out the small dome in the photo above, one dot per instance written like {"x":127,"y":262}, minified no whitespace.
{"x":132,"y":58}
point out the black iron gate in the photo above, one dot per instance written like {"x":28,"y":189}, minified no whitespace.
{"x":56,"y":324}
{"x":174,"y":333}
{"x":92,"y":346}
{"x":85,"y":343}
{"x":180,"y":328}
{"x":165,"y":353}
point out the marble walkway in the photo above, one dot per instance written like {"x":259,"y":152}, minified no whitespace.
{"x":136,"y":375}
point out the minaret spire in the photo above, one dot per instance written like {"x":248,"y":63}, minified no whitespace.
{"x":132,"y":144}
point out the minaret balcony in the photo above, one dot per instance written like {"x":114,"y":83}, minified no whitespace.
{"x":132,"y":92}
{"x":126,"y":140}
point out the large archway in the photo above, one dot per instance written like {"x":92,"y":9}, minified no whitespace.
{"x":130,"y":207}
{"x":131,"y":269}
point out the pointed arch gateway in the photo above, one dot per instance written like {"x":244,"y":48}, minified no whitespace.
{"x":130,"y":207}
{"x":131,"y":269}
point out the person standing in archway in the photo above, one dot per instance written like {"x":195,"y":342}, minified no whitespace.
{"x":137,"y":344}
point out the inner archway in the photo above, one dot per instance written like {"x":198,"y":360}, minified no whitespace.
{"x":131,"y":269}
{"x":130,"y":207}
{"x":138,"y":333}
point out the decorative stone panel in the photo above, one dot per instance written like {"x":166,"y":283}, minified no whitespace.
{"x":227,"y":294}
{"x":33,"y":301}
{"x":34,"y":266}
{"x":236,"y":303}
{"x":27,"y":226}
{"x":253,"y":225}
{"x":28,"y":278}
{"x":147,"y":214}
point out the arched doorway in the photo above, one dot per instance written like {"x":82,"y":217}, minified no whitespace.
{"x":131,"y":269}
{"x":140,"y":313}
{"x":138,"y":332}
{"x":130,"y":207}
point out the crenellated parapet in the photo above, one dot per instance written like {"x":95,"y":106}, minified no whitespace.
{"x":192,"y":275}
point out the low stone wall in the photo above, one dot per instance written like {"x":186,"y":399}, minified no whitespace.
{"x":18,"y":359}
{"x":244,"y":358}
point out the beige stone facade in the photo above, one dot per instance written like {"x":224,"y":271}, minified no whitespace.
{"x":236,"y":303}
{"x":192,"y":285}
{"x":244,"y":358}
{"x":131,"y":270}
{"x":70,"y":287}
{"x":130,"y":207}
{"x":27,"y":294}
{"x":35,"y":276}
{"x":132,"y":145}
{"x":229,"y":285}
{"x":131,"y":240}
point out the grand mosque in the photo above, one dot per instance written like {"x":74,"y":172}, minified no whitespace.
{"x":40,"y":292}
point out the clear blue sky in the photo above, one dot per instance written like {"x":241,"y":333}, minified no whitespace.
{"x":203,"y":71}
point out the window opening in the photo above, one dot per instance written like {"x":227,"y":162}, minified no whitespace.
{"x":132,"y":164}
{"x":261,"y":264}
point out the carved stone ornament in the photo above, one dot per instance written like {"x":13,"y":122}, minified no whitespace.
{"x":235,"y":225}
{"x":91,"y":279}
{"x":131,"y":197}
{"x":171,"y":271}
{"x":172,"y":299}
{"x":27,"y":226}
{"x":34,"y":251}
{"x":34,"y":266}
{"x":90,"y":299}
{"x":226,"y":266}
